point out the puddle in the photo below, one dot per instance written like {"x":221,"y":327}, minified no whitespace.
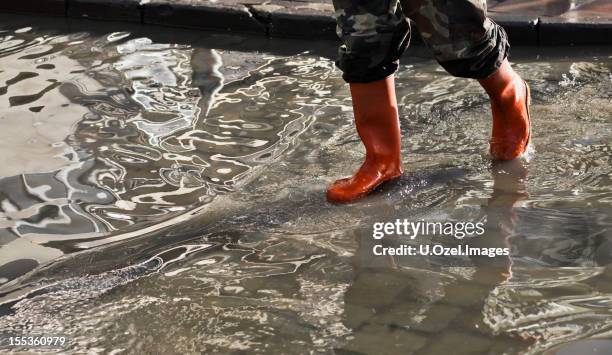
{"x":164,"y":198}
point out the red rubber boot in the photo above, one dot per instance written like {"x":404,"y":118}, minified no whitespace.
{"x":510,"y":100}
{"x":377,"y":122}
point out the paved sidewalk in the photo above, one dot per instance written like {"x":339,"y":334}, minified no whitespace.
{"x":528,"y":22}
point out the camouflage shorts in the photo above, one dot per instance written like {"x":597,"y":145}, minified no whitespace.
{"x":375,"y":34}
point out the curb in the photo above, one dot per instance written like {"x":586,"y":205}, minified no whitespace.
{"x":521,"y":30}
{"x":226,"y":17}
{"x":116,"y":10}
{"x":292,"y":19}
{"x":561,"y":31}
{"x":38,"y":7}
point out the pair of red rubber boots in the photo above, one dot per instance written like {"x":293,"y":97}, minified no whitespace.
{"x":377,"y":122}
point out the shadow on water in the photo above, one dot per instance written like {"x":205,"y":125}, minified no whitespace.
{"x":165,"y":193}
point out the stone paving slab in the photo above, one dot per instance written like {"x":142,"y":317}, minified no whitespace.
{"x":294,"y":18}
{"x":581,"y":10}
{"x":228,"y":15}
{"x":528,"y":22}
{"x":532,"y":8}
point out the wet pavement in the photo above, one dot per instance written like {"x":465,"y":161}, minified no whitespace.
{"x":164,"y":193}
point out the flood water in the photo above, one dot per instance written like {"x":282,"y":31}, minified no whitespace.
{"x":163,"y":197}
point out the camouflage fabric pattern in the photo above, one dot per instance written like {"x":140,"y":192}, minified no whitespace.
{"x":375,"y":33}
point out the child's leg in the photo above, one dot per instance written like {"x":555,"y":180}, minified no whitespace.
{"x":468,"y":44}
{"x":375,"y":33}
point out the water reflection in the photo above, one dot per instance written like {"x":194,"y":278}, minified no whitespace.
{"x":185,"y":187}
{"x":151,"y":131}
{"x":415,"y":304}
